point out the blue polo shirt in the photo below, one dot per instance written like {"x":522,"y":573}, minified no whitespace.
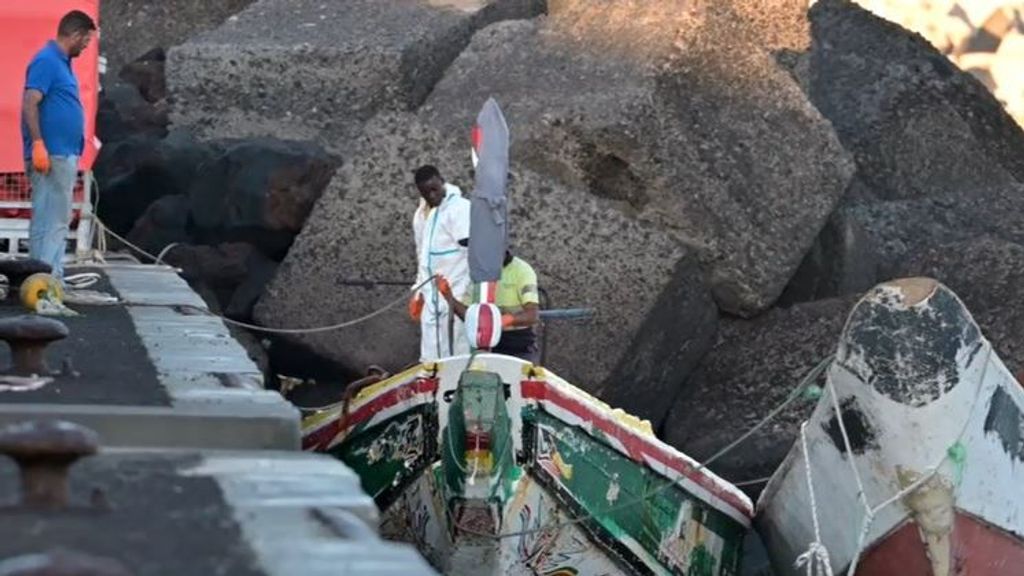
{"x":61,"y":117}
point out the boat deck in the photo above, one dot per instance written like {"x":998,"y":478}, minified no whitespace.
{"x":154,"y":371}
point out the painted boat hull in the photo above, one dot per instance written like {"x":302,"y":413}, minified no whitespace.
{"x":580,"y":489}
{"x":977,"y":549}
{"x":935,"y":425}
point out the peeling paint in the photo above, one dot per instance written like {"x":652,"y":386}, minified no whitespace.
{"x":909,"y":348}
{"x":613,"y":490}
{"x":1006,"y":421}
{"x":858,"y":429}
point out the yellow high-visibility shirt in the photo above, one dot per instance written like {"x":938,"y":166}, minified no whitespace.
{"x":517,"y":287}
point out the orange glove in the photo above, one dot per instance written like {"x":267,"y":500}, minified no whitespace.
{"x":444,"y":287}
{"x":40,"y":157}
{"x":416,"y":307}
{"x":507,"y":320}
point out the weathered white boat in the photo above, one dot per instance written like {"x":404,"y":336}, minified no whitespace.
{"x":491,"y":465}
{"x":923,"y":474}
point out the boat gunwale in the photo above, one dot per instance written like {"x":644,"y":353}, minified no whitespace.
{"x":627,"y":431}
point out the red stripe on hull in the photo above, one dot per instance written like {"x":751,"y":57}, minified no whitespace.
{"x":979,"y":549}
{"x":319,"y":439}
{"x":636,"y":445}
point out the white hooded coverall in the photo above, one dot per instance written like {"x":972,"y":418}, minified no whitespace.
{"x":437,"y":232}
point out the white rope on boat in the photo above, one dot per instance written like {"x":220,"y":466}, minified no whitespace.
{"x":816,"y":557}
{"x":870,"y":512}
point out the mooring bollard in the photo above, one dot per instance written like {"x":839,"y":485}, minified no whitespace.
{"x":44,"y":452}
{"x":28,"y":337}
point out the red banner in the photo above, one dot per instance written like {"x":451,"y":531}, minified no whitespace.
{"x":27,"y":26}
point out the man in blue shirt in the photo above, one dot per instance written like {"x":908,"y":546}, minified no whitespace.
{"x":53,"y":132}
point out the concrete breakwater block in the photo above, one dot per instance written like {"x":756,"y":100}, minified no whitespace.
{"x":316,"y":69}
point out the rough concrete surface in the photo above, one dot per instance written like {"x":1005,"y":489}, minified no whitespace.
{"x":318,"y":69}
{"x":754,"y":366}
{"x":130,"y":28}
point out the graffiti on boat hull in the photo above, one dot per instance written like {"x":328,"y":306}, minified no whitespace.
{"x":401,"y":441}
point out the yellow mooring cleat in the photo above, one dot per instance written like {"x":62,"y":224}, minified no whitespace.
{"x":40,"y":286}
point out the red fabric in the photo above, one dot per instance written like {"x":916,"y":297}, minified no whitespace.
{"x":485,"y":328}
{"x":27,"y":27}
{"x":477,"y":137}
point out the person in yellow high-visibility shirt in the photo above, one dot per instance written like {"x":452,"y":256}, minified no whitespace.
{"x":518,"y":299}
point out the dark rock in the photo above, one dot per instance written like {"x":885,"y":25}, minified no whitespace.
{"x":900,"y":229}
{"x":842,"y":261}
{"x":260,"y":191}
{"x":16,"y":270}
{"x":671,"y":125}
{"x":755,"y":365}
{"x":165,"y":222}
{"x":937,"y":156}
{"x":123,"y":114}
{"x":917,"y":125}
{"x":147,"y":74}
{"x":988,"y":275}
{"x":317,"y":70}
{"x":647,"y":294}
{"x":260,"y":271}
{"x":134,"y":173}
{"x":292,"y":358}
{"x":218,"y":267}
{"x":131,"y":28}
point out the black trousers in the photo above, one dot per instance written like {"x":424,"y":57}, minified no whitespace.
{"x":519,"y":343}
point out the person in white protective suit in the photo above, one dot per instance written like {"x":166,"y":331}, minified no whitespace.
{"x":441,"y":228}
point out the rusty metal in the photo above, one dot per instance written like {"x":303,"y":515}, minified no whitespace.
{"x":28,"y":337}
{"x":374,"y":374}
{"x":62,"y":563}
{"x":44,"y":451}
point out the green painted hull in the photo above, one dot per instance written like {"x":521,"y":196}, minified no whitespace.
{"x":490,"y":471}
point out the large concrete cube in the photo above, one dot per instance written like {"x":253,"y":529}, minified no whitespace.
{"x":317,"y":69}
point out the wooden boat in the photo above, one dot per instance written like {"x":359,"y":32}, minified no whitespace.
{"x":491,"y":465}
{"x":932,"y":427}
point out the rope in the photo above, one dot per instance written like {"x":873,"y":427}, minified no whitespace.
{"x":754,"y":482}
{"x":160,"y":256}
{"x":254,"y":327}
{"x":81,"y":281}
{"x":793,"y":395}
{"x":817,"y":550}
{"x":316,"y":329}
{"x":106,"y":230}
{"x":816,"y":557}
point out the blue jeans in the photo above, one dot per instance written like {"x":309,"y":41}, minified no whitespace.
{"x":51,"y":211}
